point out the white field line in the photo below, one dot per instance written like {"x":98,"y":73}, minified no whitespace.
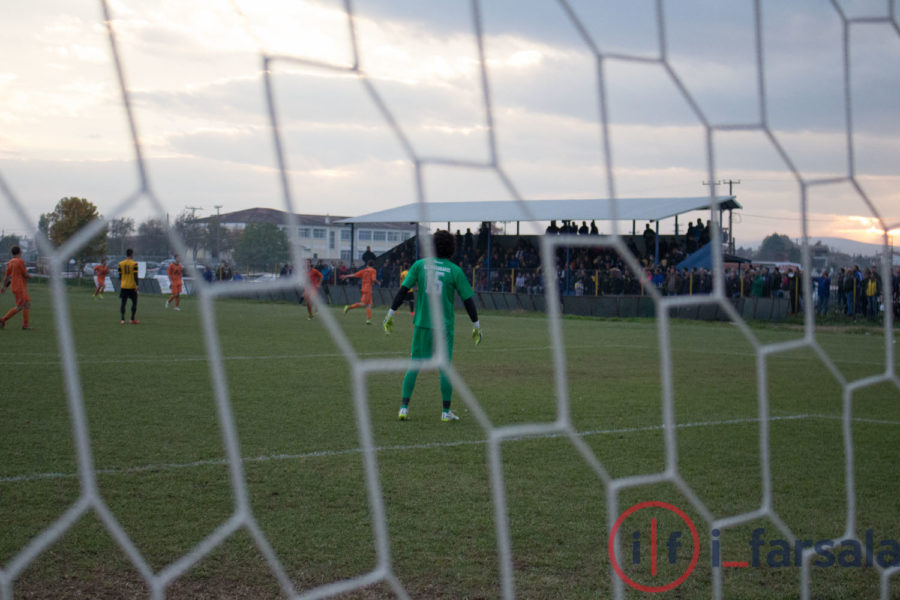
{"x":430,"y":446}
{"x":52,"y":359}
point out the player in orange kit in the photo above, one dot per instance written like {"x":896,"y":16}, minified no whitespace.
{"x":16,"y":277}
{"x":100,"y":272}
{"x":315,"y":280}
{"x":367,"y":277}
{"x":175,"y":272}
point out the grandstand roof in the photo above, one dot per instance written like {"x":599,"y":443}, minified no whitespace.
{"x":601,"y":209}
{"x":279,"y":217}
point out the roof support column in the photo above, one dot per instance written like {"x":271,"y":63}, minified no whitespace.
{"x":656,"y":249}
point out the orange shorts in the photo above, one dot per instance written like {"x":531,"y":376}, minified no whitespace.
{"x":175,"y":288}
{"x":365,"y":298}
{"x":22,"y":298}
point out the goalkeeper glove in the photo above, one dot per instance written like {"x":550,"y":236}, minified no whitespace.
{"x":388,"y":323}
{"x":476,"y":332}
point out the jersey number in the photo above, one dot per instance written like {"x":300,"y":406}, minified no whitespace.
{"x":434,"y":285}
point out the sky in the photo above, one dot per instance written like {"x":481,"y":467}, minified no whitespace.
{"x":798,"y":102}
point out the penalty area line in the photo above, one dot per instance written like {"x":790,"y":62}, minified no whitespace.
{"x":407,"y":447}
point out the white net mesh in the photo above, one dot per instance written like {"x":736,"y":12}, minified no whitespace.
{"x":753,"y":108}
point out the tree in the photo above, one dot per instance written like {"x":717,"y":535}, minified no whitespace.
{"x":261,"y":246}
{"x":44,"y":225}
{"x":218,"y":239}
{"x":6,"y":244}
{"x":190,"y":231}
{"x":778,"y":247}
{"x":68,"y":218}
{"x":152,"y":241}
{"x":119,"y":230}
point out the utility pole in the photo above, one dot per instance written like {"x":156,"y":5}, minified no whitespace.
{"x":217,"y":207}
{"x":193,"y":236}
{"x":731,"y":183}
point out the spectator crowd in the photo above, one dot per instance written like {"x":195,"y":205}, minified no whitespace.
{"x":501,"y":263}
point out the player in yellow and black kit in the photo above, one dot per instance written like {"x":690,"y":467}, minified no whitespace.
{"x":411,"y":294}
{"x":128,"y":286}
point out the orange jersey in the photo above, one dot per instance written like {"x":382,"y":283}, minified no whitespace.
{"x":315,"y":277}
{"x":174,"y":272}
{"x":367,"y":277}
{"x":16,"y":274}
{"x":101,"y":271}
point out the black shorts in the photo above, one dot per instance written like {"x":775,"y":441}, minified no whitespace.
{"x":128,"y":294}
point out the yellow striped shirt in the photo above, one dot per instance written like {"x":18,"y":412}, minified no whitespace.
{"x":128,"y":274}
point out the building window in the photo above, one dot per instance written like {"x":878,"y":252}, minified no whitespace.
{"x":331,"y":237}
{"x":365,"y":235}
{"x":393,"y":236}
{"x":406,"y":235}
{"x":345,"y":255}
{"x":318,"y":234}
{"x":378,"y":236}
{"x":304,"y":232}
{"x":345,"y":234}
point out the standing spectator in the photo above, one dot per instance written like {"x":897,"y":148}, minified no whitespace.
{"x":823,"y":291}
{"x":385,"y":273}
{"x":367,"y":277}
{"x":470,"y":244}
{"x":842,"y":299}
{"x":673,"y":282}
{"x":327,"y":271}
{"x":368,"y":255}
{"x":873,"y":290}
{"x":649,"y":240}
{"x":895,"y":288}
{"x":520,"y":282}
{"x":16,"y":277}
{"x":756,"y":289}
{"x":341,"y":271}
{"x":128,"y":286}
{"x":100,"y":272}
{"x":794,"y":290}
{"x":732,"y":284}
{"x":583,"y":230}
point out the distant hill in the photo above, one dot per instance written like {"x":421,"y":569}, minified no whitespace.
{"x":843,"y":245}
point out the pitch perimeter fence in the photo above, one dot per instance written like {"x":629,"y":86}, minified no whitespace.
{"x":618,"y":306}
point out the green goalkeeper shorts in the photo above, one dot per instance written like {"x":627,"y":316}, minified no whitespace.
{"x":423,"y":343}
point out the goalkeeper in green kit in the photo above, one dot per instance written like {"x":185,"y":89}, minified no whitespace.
{"x":434,"y":276}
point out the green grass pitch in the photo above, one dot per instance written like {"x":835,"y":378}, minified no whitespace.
{"x":159,"y":453}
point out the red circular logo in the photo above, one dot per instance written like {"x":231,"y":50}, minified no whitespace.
{"x":612,"y":546}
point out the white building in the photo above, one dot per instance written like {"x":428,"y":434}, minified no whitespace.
{"x":322,"y":236}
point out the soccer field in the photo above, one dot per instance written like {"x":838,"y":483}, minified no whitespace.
{"x":162,"y":470}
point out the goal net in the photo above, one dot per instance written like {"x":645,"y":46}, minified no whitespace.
{"x":743,"y":462}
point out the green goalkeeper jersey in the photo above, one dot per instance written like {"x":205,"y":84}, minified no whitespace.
{"x":437,"y":276}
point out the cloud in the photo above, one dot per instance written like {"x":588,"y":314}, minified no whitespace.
{"x":194,"y":75}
